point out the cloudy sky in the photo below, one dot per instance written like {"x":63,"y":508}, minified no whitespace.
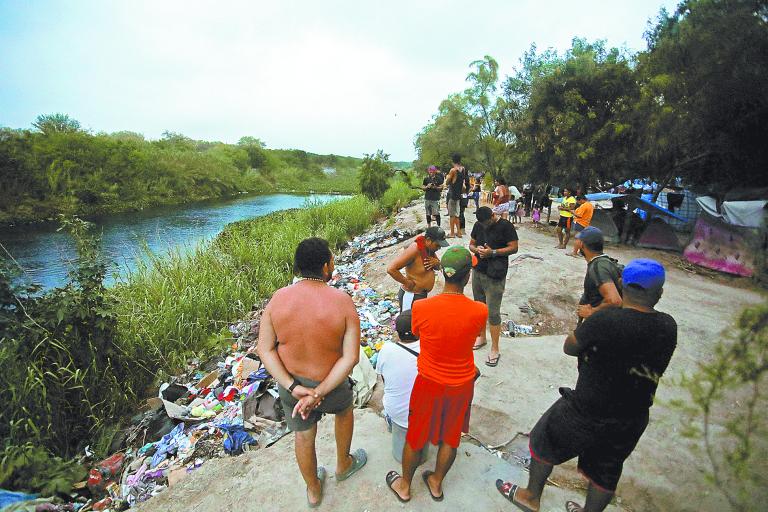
{"x":344,"y":77}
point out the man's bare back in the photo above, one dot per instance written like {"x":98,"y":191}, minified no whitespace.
{"x":310,"y":320}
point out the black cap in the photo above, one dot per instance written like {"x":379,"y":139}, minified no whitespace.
{"x":403,"y":326}
{"x":436,"y":234}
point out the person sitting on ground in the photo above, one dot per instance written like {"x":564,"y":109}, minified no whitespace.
{"x":420,"y":262}
{"x":501,"y":198}
{"x":492,"y":241}
{"x":432,"y":186}
{"x":312,"y":372}
{"x":566,"y":218}
{"x":602,"y":283}
{"x":583,"y":215}
{"x":622,"y":352}
{"x":396,"y":364}
{"x":447,"y":325}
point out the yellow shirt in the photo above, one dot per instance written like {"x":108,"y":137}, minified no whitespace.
{"x":567,"y":201}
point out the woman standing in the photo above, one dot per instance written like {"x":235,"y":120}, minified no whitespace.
{"x":501,"y":198}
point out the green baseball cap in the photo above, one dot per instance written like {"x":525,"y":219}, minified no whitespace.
{"x":456,"y":260}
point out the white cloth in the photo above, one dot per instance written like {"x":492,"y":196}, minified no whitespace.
{"x":407,"y":301}
{"x":737,"y":213}
{"x":398,"y":368}
{"x":365,"y":380}
{"x":501,"y":208}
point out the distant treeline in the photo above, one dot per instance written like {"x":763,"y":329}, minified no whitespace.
{"x":59,"y":168}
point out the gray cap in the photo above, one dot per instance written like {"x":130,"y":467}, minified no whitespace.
{"x":436,"y":234}
{"x":590,"y":235}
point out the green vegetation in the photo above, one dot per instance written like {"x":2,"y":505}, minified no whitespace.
{"x":75,"y":360}
{"x":375,"y":174}
{"x":732,"y":385}
{"x":693,"y":105}
{"x":59,"y":168}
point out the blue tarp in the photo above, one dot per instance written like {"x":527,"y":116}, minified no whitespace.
{"x":639,"y":203}
{"x":10,"y":497}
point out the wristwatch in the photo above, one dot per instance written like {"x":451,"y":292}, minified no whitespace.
{"x":493,"y":253}
{"x":293,"y":386}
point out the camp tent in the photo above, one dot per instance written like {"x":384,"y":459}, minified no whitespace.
{"x":729,"y":237}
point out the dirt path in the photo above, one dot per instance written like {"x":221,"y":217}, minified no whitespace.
{"x":661,"y":474}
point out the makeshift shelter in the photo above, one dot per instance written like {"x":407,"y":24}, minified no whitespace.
{"x":729,"y":237}
{"x":682,"y":203}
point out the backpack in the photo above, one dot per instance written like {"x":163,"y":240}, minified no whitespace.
{"x":619,"y":270}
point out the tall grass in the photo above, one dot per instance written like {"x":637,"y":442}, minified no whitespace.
{"x":173,"y":307}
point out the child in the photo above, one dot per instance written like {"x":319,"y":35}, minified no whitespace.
{"x":536,"y":214}
{"x":520,"y":211}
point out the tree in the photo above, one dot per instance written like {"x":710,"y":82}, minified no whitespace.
{"x":56,"y":123}
{"x":375,"y":173}
{"x":451,"y":131}
{"x":705,"y":98}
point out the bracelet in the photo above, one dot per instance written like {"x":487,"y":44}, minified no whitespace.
{"x":293,"y":386}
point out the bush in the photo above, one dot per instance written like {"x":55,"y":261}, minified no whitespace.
{"x":737,"y":445}
{"x":397,"y":196}
{"x":375,"y":174}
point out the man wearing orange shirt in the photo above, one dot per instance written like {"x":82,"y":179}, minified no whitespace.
{"x":583,"y":217}
{"x":447,"y":325}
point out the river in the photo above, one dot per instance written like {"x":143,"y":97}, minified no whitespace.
{"x":46,"y":255}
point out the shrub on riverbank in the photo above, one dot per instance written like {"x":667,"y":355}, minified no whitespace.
{"x":63,"y":169}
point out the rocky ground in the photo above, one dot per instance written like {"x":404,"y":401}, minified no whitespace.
{"x":662,"y":473}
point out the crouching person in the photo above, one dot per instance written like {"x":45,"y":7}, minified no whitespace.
{"x":396,"y":364}
{"x":447,"y":326}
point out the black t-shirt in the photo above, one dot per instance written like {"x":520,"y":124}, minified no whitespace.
{"x":498,"y":235}
{"x":455,"y":188}
{"x":433,"y":194}
{"x":600,"y":270}
{"x":625,"y":354}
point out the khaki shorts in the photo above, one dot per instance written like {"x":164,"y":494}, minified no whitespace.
{"x":335,"y":402}
{"x":454,"y":207}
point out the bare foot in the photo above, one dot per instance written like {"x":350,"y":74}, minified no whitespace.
{"x":343,"y":466}
{"x":401,"y":488}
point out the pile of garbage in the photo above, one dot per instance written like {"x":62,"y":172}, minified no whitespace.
{"x":377,"y":313}
{"x":224,"y":408}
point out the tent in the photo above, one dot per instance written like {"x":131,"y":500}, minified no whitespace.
{"x":682,"y":203}
{"x":730,"y":237}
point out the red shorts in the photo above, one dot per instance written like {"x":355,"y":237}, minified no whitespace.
{"x":438,"y":413}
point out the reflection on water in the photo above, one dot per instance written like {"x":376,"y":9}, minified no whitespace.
{"x":46,"y":255}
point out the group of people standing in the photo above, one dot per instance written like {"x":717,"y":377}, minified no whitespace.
{"x":622,"y":344}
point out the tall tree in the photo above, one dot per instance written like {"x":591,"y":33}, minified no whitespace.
{"x":56,"y":123}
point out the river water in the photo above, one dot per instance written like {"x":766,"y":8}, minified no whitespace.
{"x":46,"y":255}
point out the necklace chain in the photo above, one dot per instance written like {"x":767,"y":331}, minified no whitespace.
{"x":451,"y":293}
{"x":312,"y":279}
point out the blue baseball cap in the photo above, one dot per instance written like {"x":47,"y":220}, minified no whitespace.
{"x":645,"y":273}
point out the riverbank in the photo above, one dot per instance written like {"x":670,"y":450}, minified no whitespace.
{"x":662,"y":474}
{"x":102,"y":350}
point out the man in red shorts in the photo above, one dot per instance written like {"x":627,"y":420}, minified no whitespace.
{"x":447,"y":325}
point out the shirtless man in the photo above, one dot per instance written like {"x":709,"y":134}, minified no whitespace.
{"x":312,"y":370}
{"x":420,"y":263}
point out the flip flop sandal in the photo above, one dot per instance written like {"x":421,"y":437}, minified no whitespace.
{"x":359,"y":458}
{"x":508,"y":490}
{"x":392,"y":476}
{"x":493,"y":361}
{"x":572,"y":506}
{"x":478,"y":347}
{"x":425,"y":476}
{"x":321,"y":474}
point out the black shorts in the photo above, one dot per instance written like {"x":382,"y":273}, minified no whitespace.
{"x":565,"y":222}
{"x":602,"y":444}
